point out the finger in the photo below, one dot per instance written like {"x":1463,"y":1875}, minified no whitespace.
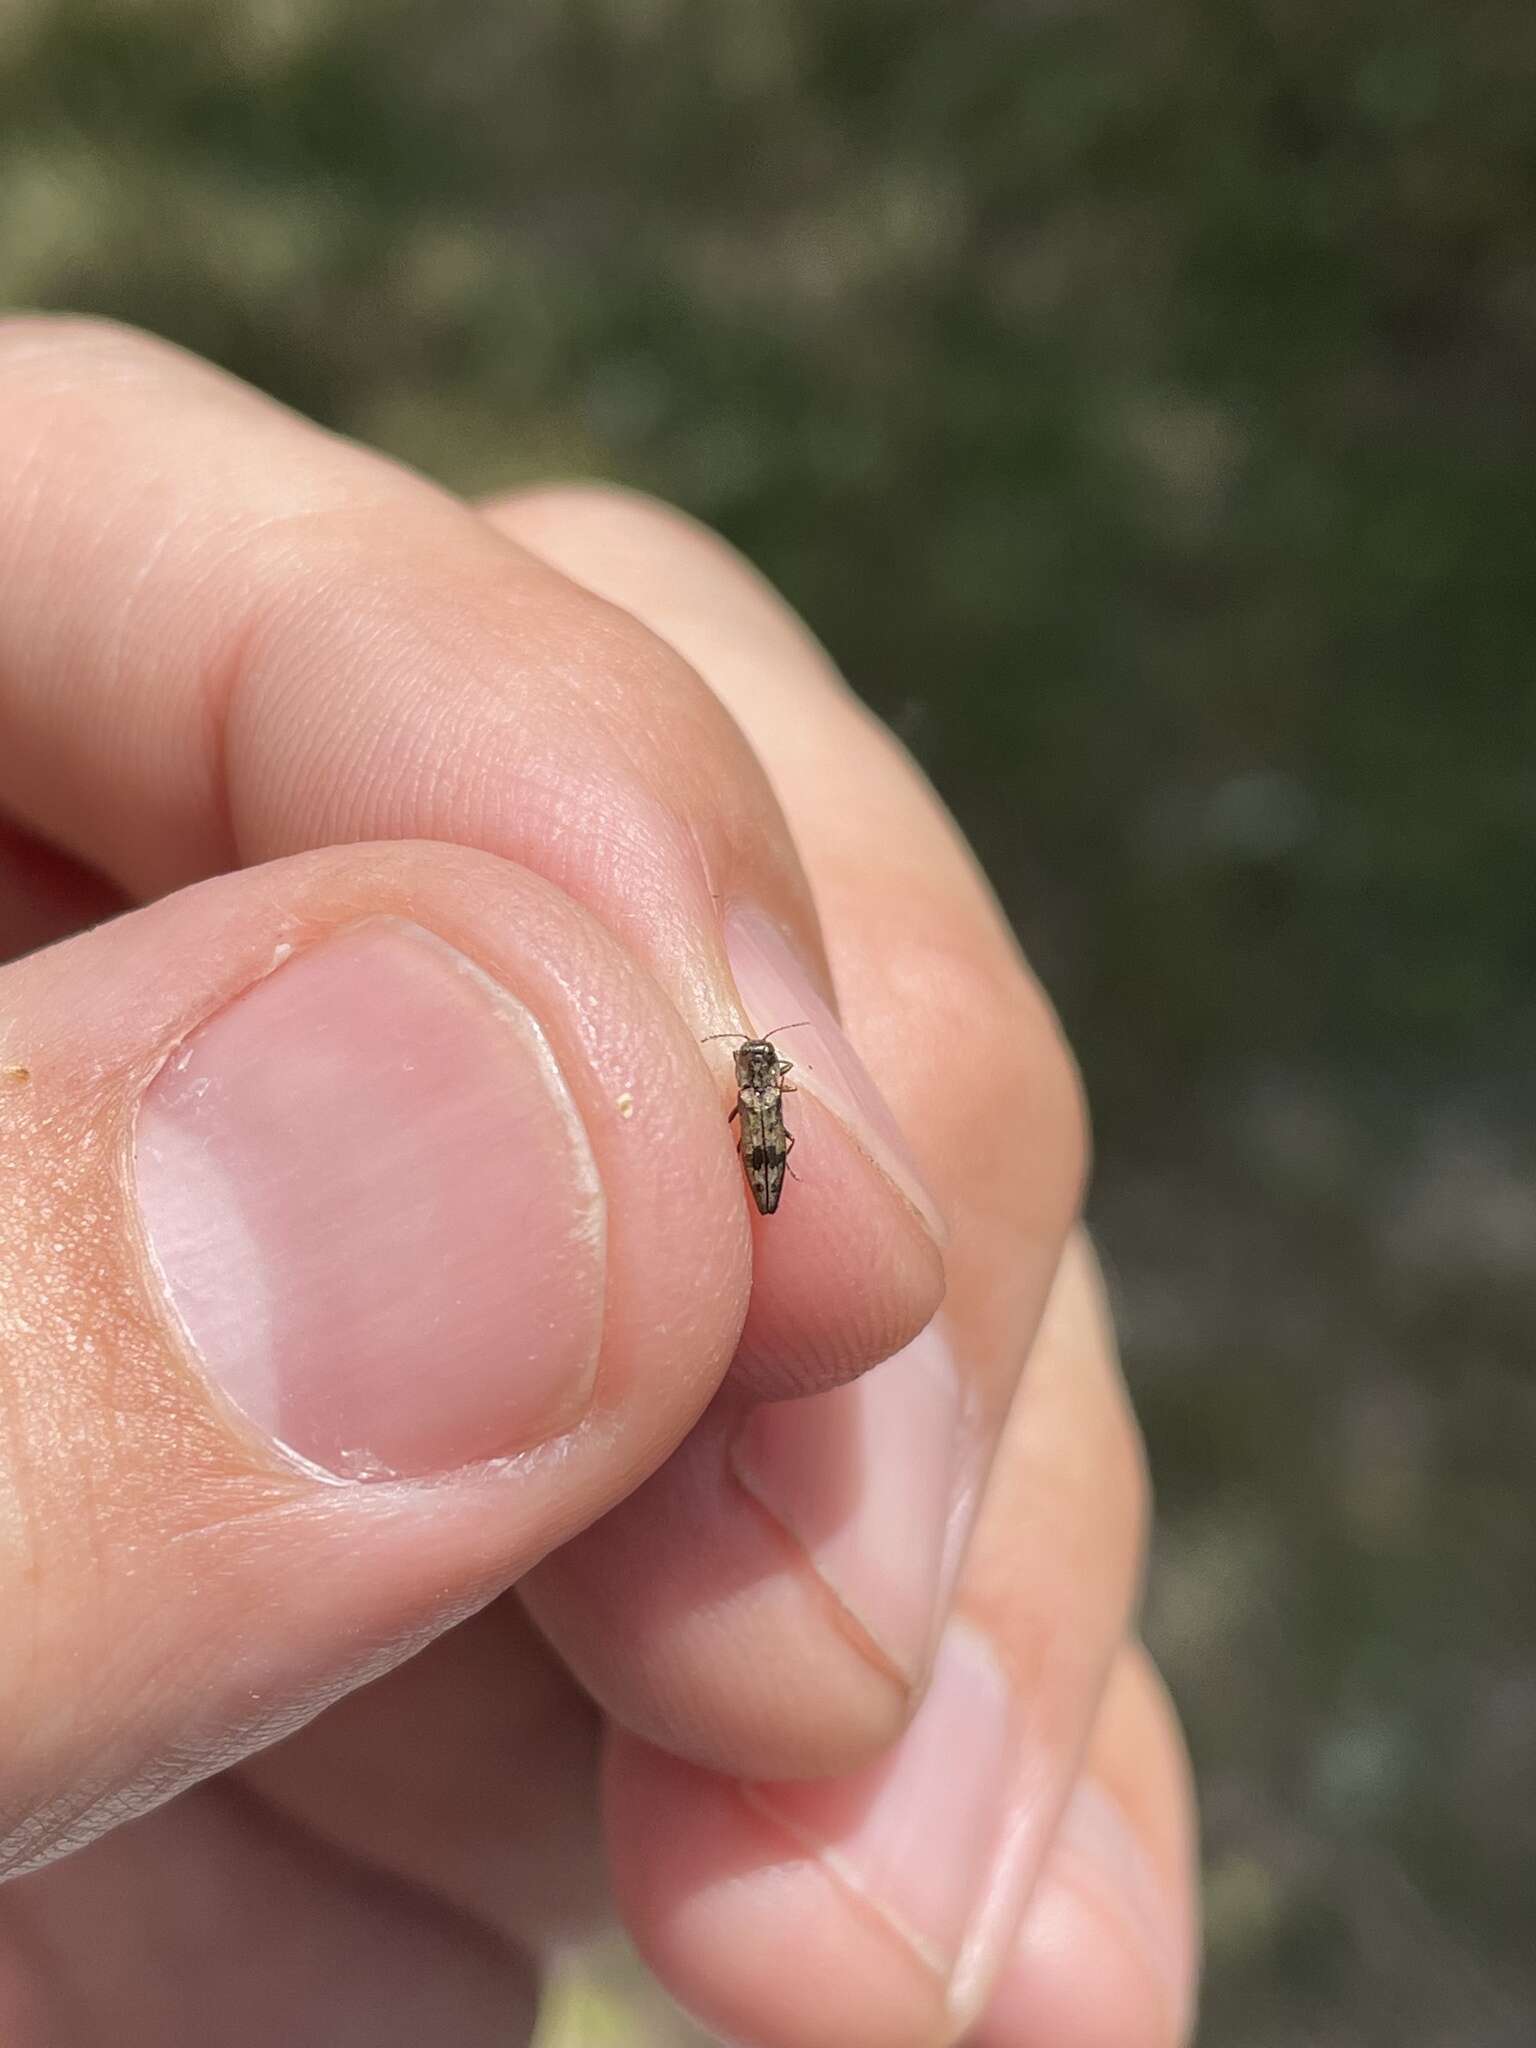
{"x":469,"y":1772}
{"x":900,"y":1889}
{"x":213,"y":1921}
{"x":333,"y":1172}
{"x":226,"y":637}
{"x":1108,"y":1954}
{"x":44,"y":896}
{"x":794,"y":1637}
{"x":445,"y":1814}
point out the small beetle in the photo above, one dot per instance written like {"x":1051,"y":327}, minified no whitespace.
{"x":760,"y":1090}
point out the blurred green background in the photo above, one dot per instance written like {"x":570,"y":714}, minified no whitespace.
{"x":1137,"y":395}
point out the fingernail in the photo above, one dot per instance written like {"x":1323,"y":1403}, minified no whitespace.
{"x":876,"y":1482}
{"x":776,"y":992}
{"x":1097,"y":1844}
{"x":919,"y":1835}
{"x":369,"y":1198}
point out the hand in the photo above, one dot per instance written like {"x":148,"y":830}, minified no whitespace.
{"x":372,"y":1239}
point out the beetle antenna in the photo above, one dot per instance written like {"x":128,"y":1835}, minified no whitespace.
{"x":744,"y":1036}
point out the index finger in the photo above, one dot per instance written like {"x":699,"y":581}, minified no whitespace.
{"x":226,"y":636}
{"x":835,"y":1524}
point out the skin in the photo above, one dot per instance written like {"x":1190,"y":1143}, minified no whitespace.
{"x":249,"y":673}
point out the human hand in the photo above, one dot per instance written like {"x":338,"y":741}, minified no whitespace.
{"x":404,"y":1157}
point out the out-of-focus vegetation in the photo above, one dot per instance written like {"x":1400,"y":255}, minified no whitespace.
{"x":1138,"y":397}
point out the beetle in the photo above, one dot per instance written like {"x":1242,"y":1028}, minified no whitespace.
{"x":765,"y":1144}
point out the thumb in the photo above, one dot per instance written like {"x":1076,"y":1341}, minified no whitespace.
{"x":337,"y":1283}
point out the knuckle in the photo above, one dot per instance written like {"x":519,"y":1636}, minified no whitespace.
{"x":1115,"y":1470}
{"x":64,"y":379}
{"x":70,"y":353}
{"x":1055,"y":1092}
{"x":1078,"y":1481}
{"x":609,"y":513}
{"x":982,"y":997}
{"x":1100,"y":1528}
{"x":1130,"y":1475}
{"x":1100,"y":1515}
{"x":644,"y":544}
